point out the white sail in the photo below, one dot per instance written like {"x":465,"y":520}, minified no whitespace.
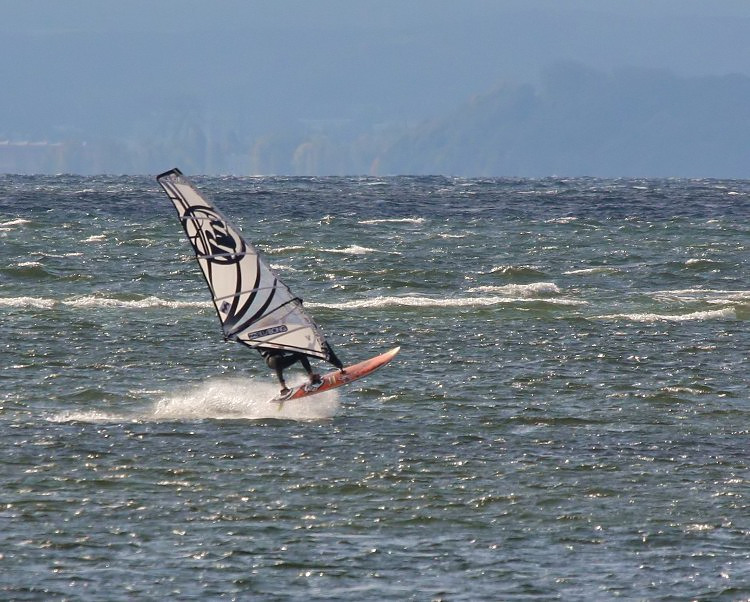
{"x":255,"y":308}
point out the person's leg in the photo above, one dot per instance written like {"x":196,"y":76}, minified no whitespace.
{"x":278,"y":363}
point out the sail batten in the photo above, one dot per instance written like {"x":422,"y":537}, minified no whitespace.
{"x":214,"y":255}
{"x":245,"y":292}
{"x":254,"y":307}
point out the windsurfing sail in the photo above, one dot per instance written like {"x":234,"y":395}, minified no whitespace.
{"x":255,"y":308}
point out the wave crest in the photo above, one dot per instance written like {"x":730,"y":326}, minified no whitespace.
{"x":35,"y":302}
{"x":417,"y":301}
{"x":147,"y":303}
{"x":535,"y":289}
{"x":718,"y":314}
{"x":394,"y":220}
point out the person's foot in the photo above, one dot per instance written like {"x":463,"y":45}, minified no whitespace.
{"x":315,"y":379}
{"x":284,"y":391}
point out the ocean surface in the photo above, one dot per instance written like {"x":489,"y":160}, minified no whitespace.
{"x":568,"y":418}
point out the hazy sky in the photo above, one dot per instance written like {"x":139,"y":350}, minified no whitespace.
{"x":70,"y":65}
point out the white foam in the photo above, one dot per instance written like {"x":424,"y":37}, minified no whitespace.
{"x":92,"y":301}
{"x":677,"y":390}
{"x":690,"y":291}
{"x":710,"y":296}
{"x":588,"y":271}
{"x":719,"y":314}
{"x":352,"y":250}
{"x":513,"y":269}
{"x":413,"y":301}
{"x":14,"y":222}
{"x":36,"y":302}
{"x":59,"y":255}
{"x":701,"y":262}
{"x":395,"y":220}
{"x":241,"y":398}
{"x":520,"y":290}
{"x":147,"y":303}
{"x":284,"y":249}
{"x":219,"y":398}
{"x":91,"y":416}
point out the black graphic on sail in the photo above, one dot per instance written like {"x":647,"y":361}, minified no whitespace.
{"x":255,"y":308}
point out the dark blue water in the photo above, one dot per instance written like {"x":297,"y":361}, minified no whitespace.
{"x":567,"y":419}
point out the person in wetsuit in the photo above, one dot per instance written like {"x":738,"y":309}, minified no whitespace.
{"x":278,"y":360}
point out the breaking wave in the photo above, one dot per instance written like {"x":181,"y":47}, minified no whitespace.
{"x":418,"y":301}
{"x":394,"y":220}
{"x":516,"y":270}
{"x":95,"y":238}
{"x":590,"y":271}
{"x":10,"y":224}
{"x":710,"y":296}
{"x":93,"y":301}
{"x":352,"y":250}
{"x":719,"y":314}
{"x":35,"y":302}
{"x":535,"y":289}
{"x":147,"y":303}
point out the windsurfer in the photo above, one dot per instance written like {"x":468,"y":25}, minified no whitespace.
{"x":278,"y":360}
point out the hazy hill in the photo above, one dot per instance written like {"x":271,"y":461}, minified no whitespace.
{"x":578,"y":121}
{"x":374,"y":86}
{"x":574,"y":121}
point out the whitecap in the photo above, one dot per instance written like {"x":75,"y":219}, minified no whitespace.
{"x":147,"y":303}
{"x":677,"y":390}
{"x":273,"y":251}
{"x":91,"y":416}
{"x":35,"y":302}
{"x":14,"y":222}
{"x":550,"y":192}
{"x":710,"y":296}
{"x":589,"y":271}
{"x":419,"y":301}
{"x":352,"y":250}
{"x":394,"y":220}
{"x":520,"y":290}
{"x":58,"y":255}
{"x":719,"y":314}
{"x":701,"y":262}
{"x":515,"y":270}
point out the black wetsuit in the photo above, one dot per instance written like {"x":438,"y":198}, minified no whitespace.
{"x":279,"y":360}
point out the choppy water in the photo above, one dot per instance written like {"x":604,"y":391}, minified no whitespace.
{"x":568,"y":417}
